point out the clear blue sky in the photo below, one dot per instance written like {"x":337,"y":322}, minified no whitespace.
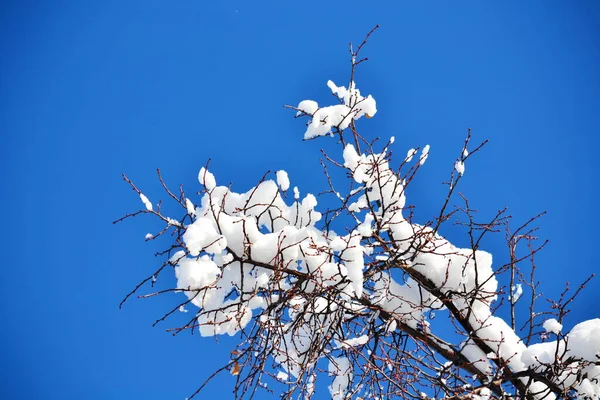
{"x":89,"y":90}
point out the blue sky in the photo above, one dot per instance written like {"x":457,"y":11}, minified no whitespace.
{"x":89,"y":90}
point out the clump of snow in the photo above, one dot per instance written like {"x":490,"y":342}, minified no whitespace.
{"x":189,"y":206}
{"x":338,"y":116}
{"x":207,"y":179}
{"x":351,"y":157}
{"x":580,"y":348}
{"x":391,"y":326}
{"x":583,"y":343}
{"x":459,"y":166}
{"x":358,"y":204}
{"x":282,"y":376}
{"x":424,"y":155}
{"x":354,"y":262}
{"x":484,"y":394}
{"x":365,"y":229}
{"x":308,"y":107}
{"x":356,"y":163}
{"x":282,"y":180}
{"x":310,"y":386}
{"x":552,"y":325}
{"x":588,"y":389}
{"x":203,"y":235}
{"x":516,"y":293}
{"x":354,"y":342}
{"x":195,"y":276}
{"x":341,"y":368}
{"x":146,"y":202}
{"x":174,"y":222}
{"x":477,"y":356}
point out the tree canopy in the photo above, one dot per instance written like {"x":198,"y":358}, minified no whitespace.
{"x":359,"y":294}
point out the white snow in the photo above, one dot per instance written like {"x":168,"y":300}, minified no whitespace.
{"x":391,"y":326}
{"x":338,"y":116}
{"x":282,"y":376}
{"x":477,"y":356}
{"x":583,"y":342}
{"x":424,"y":155}
{"x":410,"y":154}
{"x":354,"y":342}
{"x":354,"y":262}
{"x":552,"y":325}
{"x":351,"y":157}
{"x":516,"y":292}
{"x":307,"y":106}
{"x":146,"y":202}
{"x":459,"y":166}
{"x":580,"y":348}
{"x":484,"y":394}
{"x":173,"y":222}
{"x":341,"y":369}
{"x":202,"y":235}
{"x":282,"y":180}
{"x":189,"y":207}
{"x":207,"y":179}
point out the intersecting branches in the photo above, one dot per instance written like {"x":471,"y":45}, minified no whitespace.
{"x":350,"y":295}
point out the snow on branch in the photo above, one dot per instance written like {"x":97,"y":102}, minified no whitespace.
{"x":350,"y":294}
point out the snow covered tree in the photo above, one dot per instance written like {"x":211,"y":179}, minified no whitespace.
{"x":348,"y":295}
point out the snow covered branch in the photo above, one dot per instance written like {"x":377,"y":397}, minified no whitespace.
{"x":360,"y":295}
